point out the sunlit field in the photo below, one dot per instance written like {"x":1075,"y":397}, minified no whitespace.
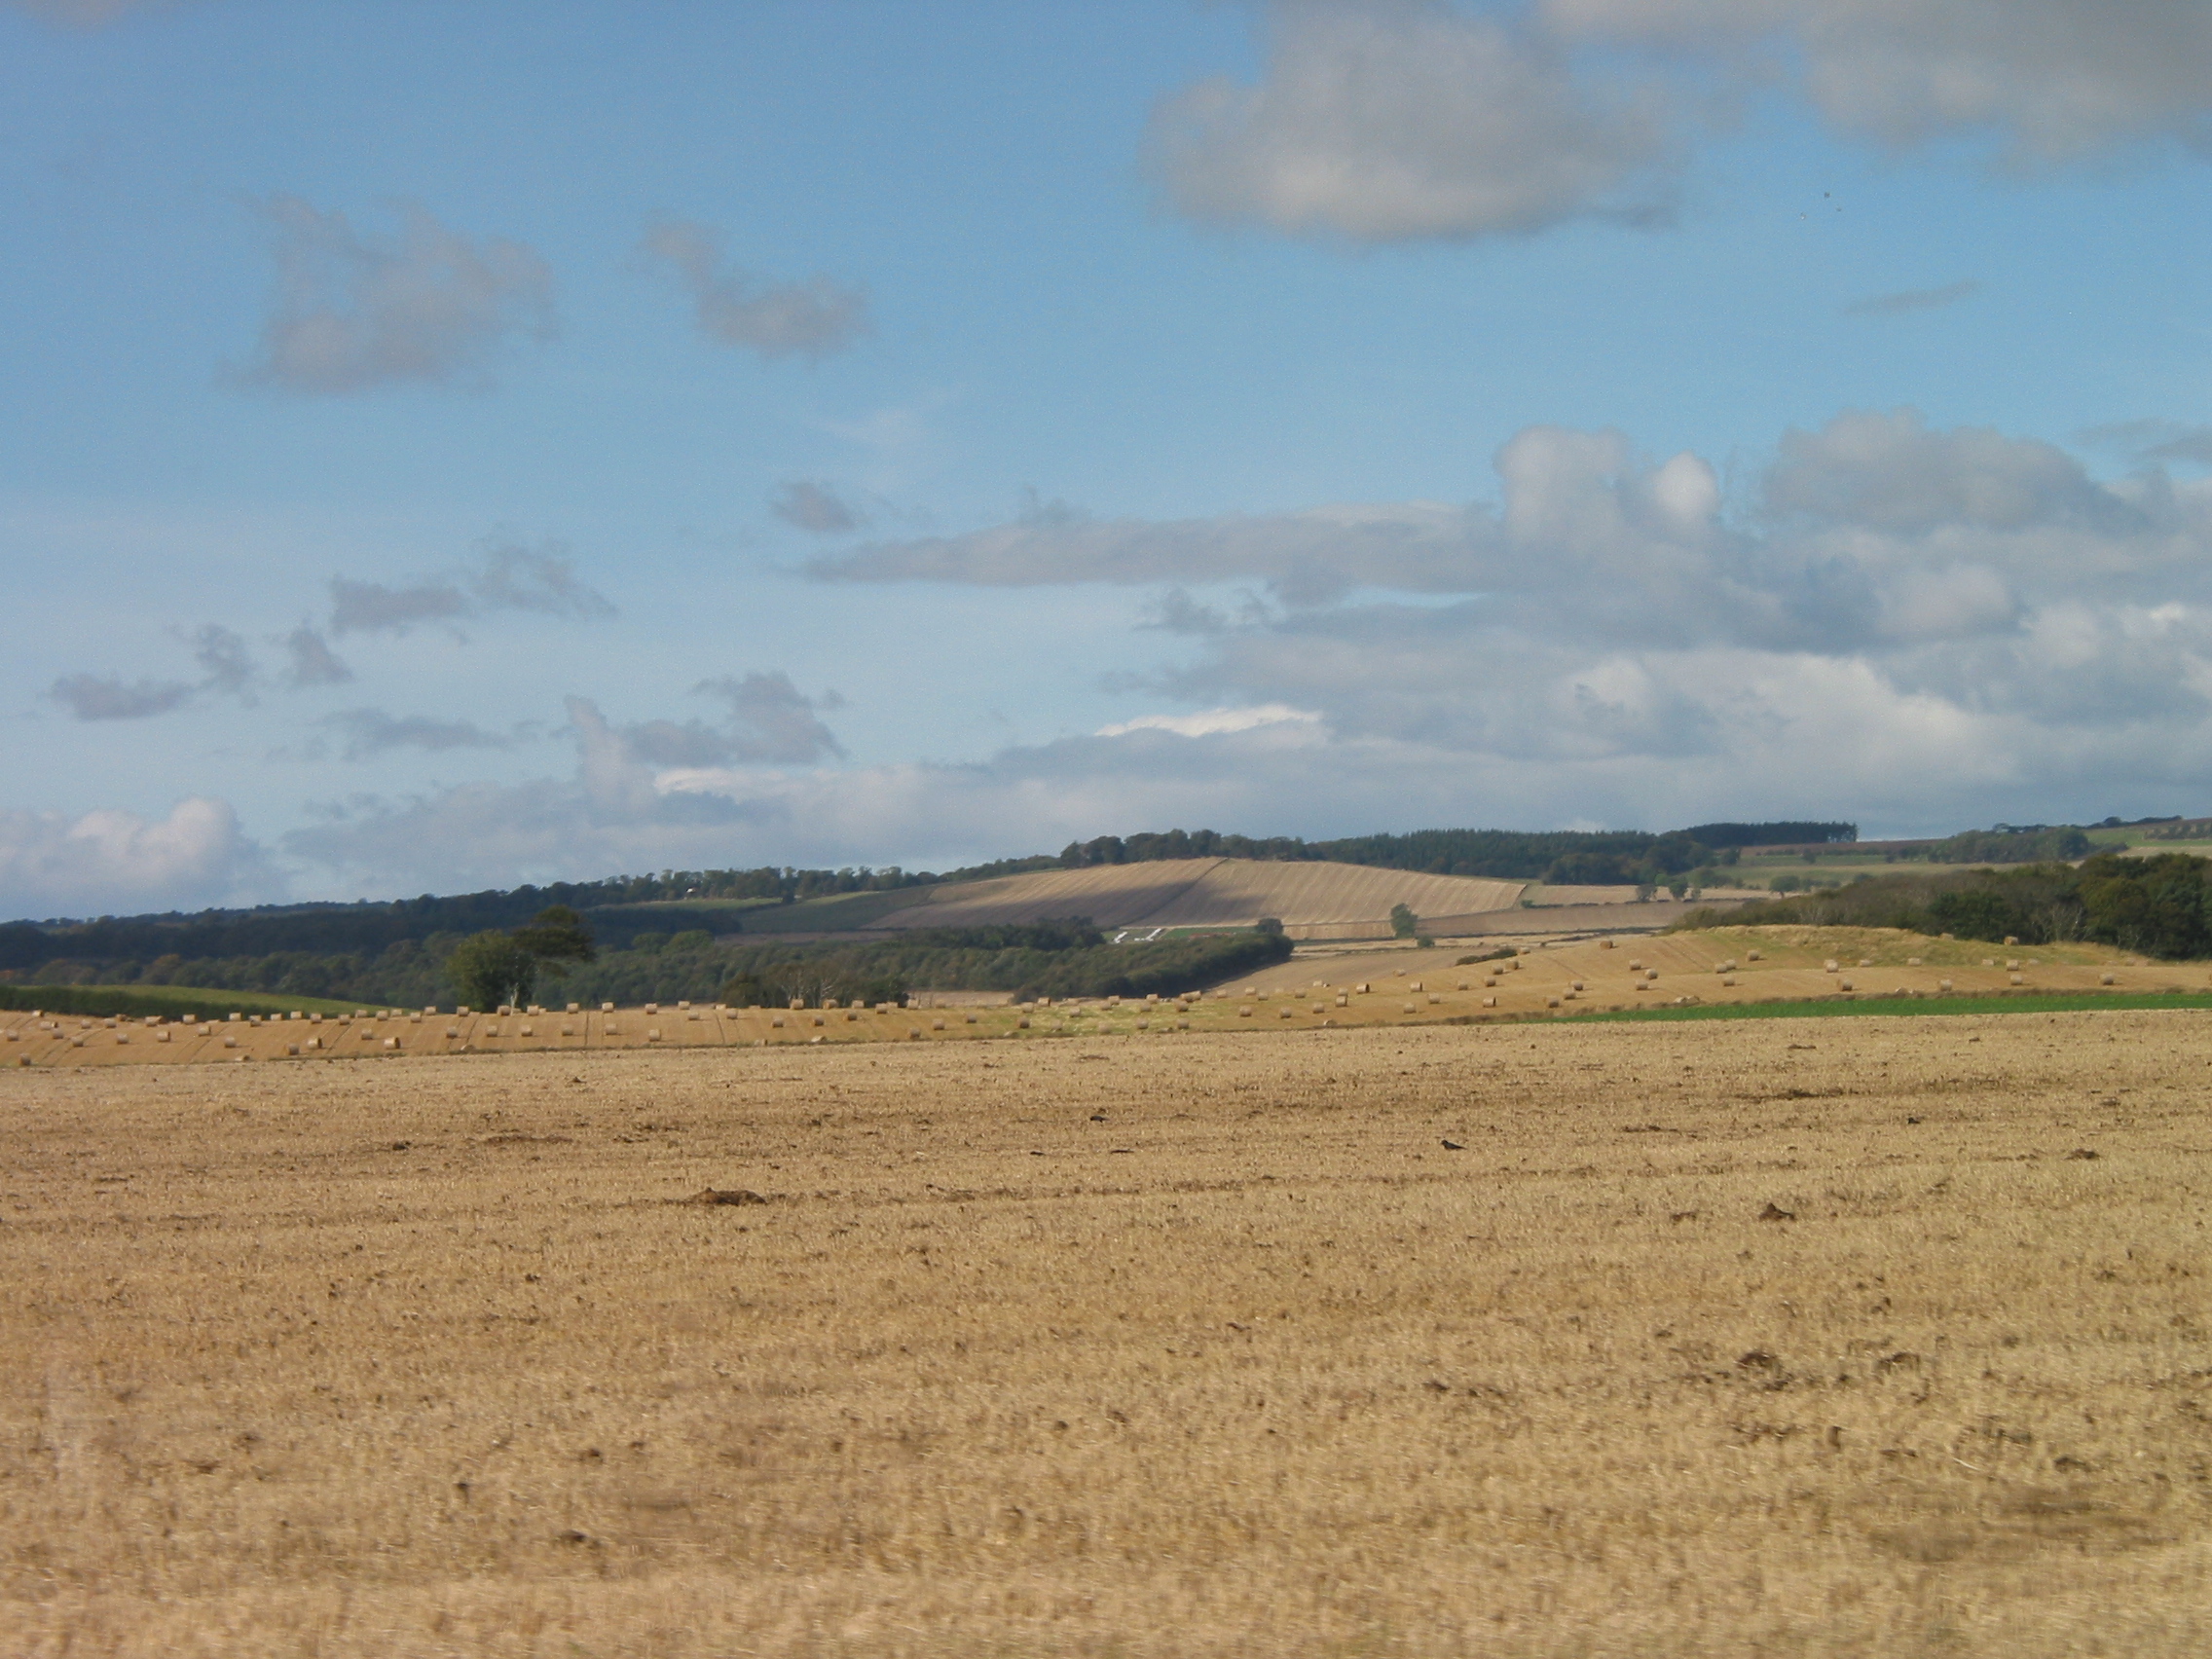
{"x":1806,"y":1337}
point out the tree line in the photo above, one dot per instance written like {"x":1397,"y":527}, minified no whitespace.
{"x":1566,"y":857}
{"x":2160,"y":905}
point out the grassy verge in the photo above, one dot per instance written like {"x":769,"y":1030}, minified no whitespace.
{"x":1839,"y":1007}
{"x":168,"y":1001}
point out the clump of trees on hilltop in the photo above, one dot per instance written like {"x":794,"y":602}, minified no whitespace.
{"x":2160,"y":905}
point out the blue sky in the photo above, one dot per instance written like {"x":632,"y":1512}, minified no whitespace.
{"x":453,"y":446}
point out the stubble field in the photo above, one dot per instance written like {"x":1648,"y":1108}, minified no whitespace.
{"x":1782,"y":1337}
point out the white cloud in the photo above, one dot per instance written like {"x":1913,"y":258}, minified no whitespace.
{"x":112,"y":862}
{"x":1909,"y":626}
{"x":352,"y":311}
{"x":812,"y":320}
{"x":1397,"y":119}
{"x":1210,"y":722}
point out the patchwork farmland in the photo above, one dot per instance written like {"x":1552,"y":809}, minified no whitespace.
{"x":1322,"y":987}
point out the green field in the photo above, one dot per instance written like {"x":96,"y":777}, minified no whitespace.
{"x":1841,"y":1008}
{"x":168,"y":1001}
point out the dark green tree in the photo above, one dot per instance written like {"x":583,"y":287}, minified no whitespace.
{"x":491,"y":967}
{"x":1404,"y":923}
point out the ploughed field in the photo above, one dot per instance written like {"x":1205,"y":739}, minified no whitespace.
{"x":1319,"y":988}
{"x":1787,"y":1337}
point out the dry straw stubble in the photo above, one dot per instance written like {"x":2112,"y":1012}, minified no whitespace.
{"x":1116,"y":1348}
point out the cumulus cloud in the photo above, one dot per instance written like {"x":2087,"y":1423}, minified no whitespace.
{"x":506,"y":576}
{"x":814,"y":318}
{"x":1611,"y":611}
{"x":1395,"y":120}
{"x":1912,"y":300}
{"x":352,"y":311}
{"x":819,"y":508}
{"x":1903,"y":624}
{"x":370,"y":732}
{"x":112,"y":862}
{"x":1386,"y":120}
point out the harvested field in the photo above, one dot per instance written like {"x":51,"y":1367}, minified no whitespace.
{"x":1805,"y":1337}
{"x":1321,"y":987}
{"x":1311,"y":900}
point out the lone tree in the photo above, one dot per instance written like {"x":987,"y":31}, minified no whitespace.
{"x":491,"y":967}
{"x":1404,"y":923}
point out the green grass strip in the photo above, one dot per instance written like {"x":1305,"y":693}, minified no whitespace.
{"x":1839,"y":1007}
{"x":168,"y":1001}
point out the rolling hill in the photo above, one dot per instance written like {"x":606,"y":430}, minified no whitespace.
{"x":1312,"y":899}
